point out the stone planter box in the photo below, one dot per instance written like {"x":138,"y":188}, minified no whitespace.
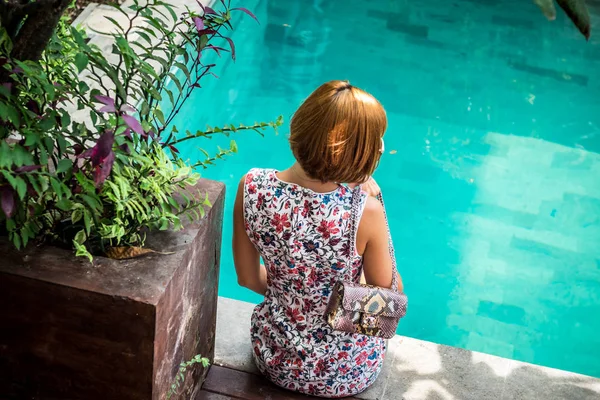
{"x":114,"y":329}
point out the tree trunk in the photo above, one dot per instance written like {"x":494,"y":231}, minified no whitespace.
{"x":36,"y":31}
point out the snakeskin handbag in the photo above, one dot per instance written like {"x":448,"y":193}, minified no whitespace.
{"x":365,"y":309}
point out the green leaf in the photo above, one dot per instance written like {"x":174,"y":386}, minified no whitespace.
{"x":31,"y":139}
{"x":11,"y":179}
{"x":43,"y":155}
{"x":154,"y":93}
{"x":56,"y":186}
{"x":176,"y":81}
{"x":64,"y":204}
{"x":64,"y":165}
{"x":76,"y":215}
{"x":144,"y":36}
{"x":80,"y":237}
{"x":17,"y":241}
{"x":65,"y":120}
{"x":21,"y":187}
{"x":183,"y":68}
{"x":159,"y":114}
{"x":81,"y":251}
{"x":87,"y":222}
{"x":115,"y":23}
{"x":33,"y":180}
{"x":21,"y":156}
{"x":81,"y":61}
{"x":9,"y":113}
{"x":83,"y":87}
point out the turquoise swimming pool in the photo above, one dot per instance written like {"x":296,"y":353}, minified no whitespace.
{"x":493,"y":170}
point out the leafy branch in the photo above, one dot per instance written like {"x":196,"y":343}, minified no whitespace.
{"x":183,"y":368}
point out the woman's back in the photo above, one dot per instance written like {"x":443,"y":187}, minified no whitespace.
{"x":304,"y":240}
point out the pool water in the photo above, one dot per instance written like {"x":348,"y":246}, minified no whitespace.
{"x":492,"y":170}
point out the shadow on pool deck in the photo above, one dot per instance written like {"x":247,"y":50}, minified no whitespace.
{"x":418,"y":370}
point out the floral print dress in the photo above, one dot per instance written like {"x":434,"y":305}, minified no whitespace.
{"x":302,"y":237}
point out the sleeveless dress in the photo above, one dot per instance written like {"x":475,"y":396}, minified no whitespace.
{"x":302,"y":237}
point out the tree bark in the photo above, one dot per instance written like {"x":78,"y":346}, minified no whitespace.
{"x":36,"y":31}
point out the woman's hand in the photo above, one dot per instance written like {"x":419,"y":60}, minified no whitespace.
{"x":371,"y":187}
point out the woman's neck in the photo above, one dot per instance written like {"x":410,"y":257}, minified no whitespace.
{"x":296,"y":175}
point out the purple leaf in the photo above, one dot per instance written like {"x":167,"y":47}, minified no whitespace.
{"x":133,"y":124}
{"x":209,"y":10}
{"x":199,"y":23}
{"x":125,"y":148}
{"x":232,"y":47}
{"x":206,"y":9}
{"x":27,"y":168}
{"x":109,"y":103}
{"x":105,"y":100}
{"x":103,"y":171}
{"x":77,"y":148}
{"x":127,"y":134}
{"x":108,"y":109}
{"x":216,"y":49}
{"x":247,"y":12}
{"x":101,"y":150}
{"x":173,"y":149}
{"x":7,"y":200}
{"x":127,"y":108}
{"x":86,"y":154}
{"x":32,"y":106}
{"x":17,"y":70}
{"x":207,"y":32}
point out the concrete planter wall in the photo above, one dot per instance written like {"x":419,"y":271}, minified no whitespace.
{"x":115,"y":329}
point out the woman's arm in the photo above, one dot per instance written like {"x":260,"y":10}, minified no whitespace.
{"x":376,"y":257}
{"x":251,"y":274}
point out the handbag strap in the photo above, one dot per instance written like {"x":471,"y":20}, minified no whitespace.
{"x":354,"y":221}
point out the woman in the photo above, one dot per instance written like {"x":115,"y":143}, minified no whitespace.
{"x":298,"y":221}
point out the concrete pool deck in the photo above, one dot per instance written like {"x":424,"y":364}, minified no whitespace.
{"x":419,"y":370}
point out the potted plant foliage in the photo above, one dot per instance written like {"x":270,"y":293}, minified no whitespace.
{"x":89,"y":156}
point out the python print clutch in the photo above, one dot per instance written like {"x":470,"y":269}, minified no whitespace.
{"x":365,"y":309}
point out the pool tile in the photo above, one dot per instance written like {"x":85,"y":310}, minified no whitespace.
{"x":572,"y":159}
{"x":511,"y":217}
{"x":275,"y":33}
{"x":533,"y":246}
{"x":502,"y":312}
{"x":426,"y":42}
{"x":380,"y":14}
{"x":397,"y":25}
{"x":561,"y":76}
{"x":512,"y":22}
{"x":418,"y":172}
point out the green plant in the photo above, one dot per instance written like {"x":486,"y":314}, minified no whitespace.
{"x":183,"y":368}
{"x":88,"y":152}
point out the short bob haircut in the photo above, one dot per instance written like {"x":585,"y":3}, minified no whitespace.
{"x":336,"y":134}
